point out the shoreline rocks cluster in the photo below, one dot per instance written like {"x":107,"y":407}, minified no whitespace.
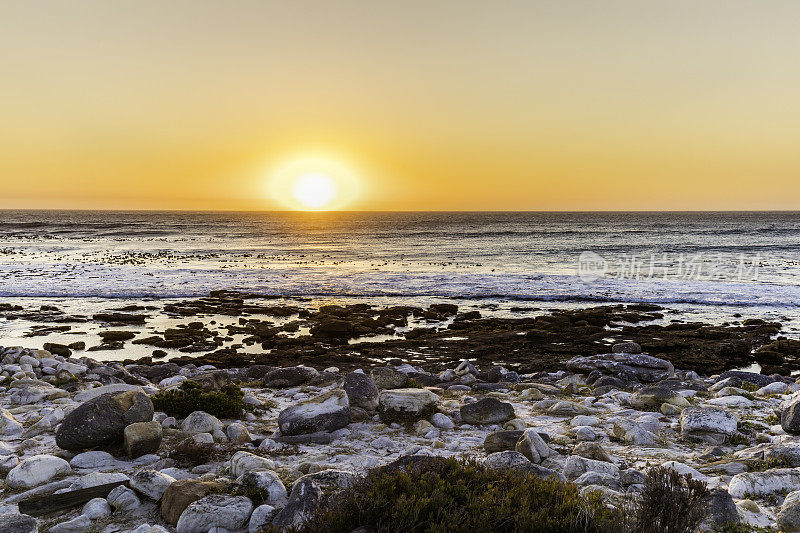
{"x":602,"y":421}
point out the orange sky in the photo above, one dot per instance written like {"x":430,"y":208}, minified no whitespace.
{"x":449,"y":105}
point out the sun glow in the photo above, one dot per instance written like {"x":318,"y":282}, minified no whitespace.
{"x":314,"y":184}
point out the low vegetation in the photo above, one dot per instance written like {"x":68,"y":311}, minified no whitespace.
{"x":189,"y":397}
{"x":669,"y":503}
{"x":452,"y":496}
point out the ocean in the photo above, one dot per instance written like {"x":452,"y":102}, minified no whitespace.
{"x":721,"y":259}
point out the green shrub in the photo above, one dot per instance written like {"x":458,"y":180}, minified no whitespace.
{"x":452,"y":496}
{"x":190,"y":397}
{"x":669,"y":503}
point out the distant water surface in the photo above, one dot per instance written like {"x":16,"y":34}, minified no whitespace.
{"x":681,"y":258}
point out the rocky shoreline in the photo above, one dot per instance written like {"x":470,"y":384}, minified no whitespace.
{"x":134,"y":445}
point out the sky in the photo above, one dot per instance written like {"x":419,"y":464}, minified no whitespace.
{"x":446,"y":105}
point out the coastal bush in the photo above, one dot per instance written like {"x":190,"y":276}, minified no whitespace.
{"x":190,"y":397}
{"x":449,"y":495}
{"x":669,"y":503}
{"x":191,"y":453}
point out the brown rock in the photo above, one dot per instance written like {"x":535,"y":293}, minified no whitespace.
{"x":180,"y":494}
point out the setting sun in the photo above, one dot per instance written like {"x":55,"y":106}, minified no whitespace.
{"x":313,"y":184}
{"x":314,"y":191}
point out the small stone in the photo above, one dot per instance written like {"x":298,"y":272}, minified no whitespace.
{"x":442,"y":421}
{"x":200,"y":422}
{"x":77,"y":525}
{"x":238,"y":433}
{"x":261,"y":517}
{"x":96,"y":508}
{"x":123,"y":499}
{"x":18,"y":523}
{"x":499,"y":441}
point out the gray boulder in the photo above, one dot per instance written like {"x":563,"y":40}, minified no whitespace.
{"x":406,"y":405}
{"x":788,"y":518}
{"x":708,"y":424}
{"x":487,"y":411}
{"x":327,"y":412}
{"x":361,"y":391}
{"x":101,"y":421}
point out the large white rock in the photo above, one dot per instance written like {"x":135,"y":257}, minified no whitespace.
{"x":764,"y":483}
{"x":201,"y":422}
{"x":216,"y":510}
{"x":576,"y":465}
{"x":708,"y":424}
{"x":406,"y":404}
{"x":242,"y":462}
{"x":36,"y":471}
{"x":89,"y":394}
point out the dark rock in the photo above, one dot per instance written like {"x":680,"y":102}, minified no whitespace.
{"x":112,"y":336}
{"x":18,"y":523}
{"x":750,"y":377}
{"x":790,"y":418}
{"x":721,"y":509}
{"x":101,"y":421}
{"x":303,"y":502}
{"x":57,"y":349}
{"x":626,"y":347}
{"x":498,"y":441}
{"x":487,"y":411}
{"x":292,"y":376}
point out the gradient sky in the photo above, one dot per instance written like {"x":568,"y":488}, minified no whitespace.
{"x":446,"y":105}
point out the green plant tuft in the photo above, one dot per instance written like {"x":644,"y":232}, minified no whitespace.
{"x":190,"y":397}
